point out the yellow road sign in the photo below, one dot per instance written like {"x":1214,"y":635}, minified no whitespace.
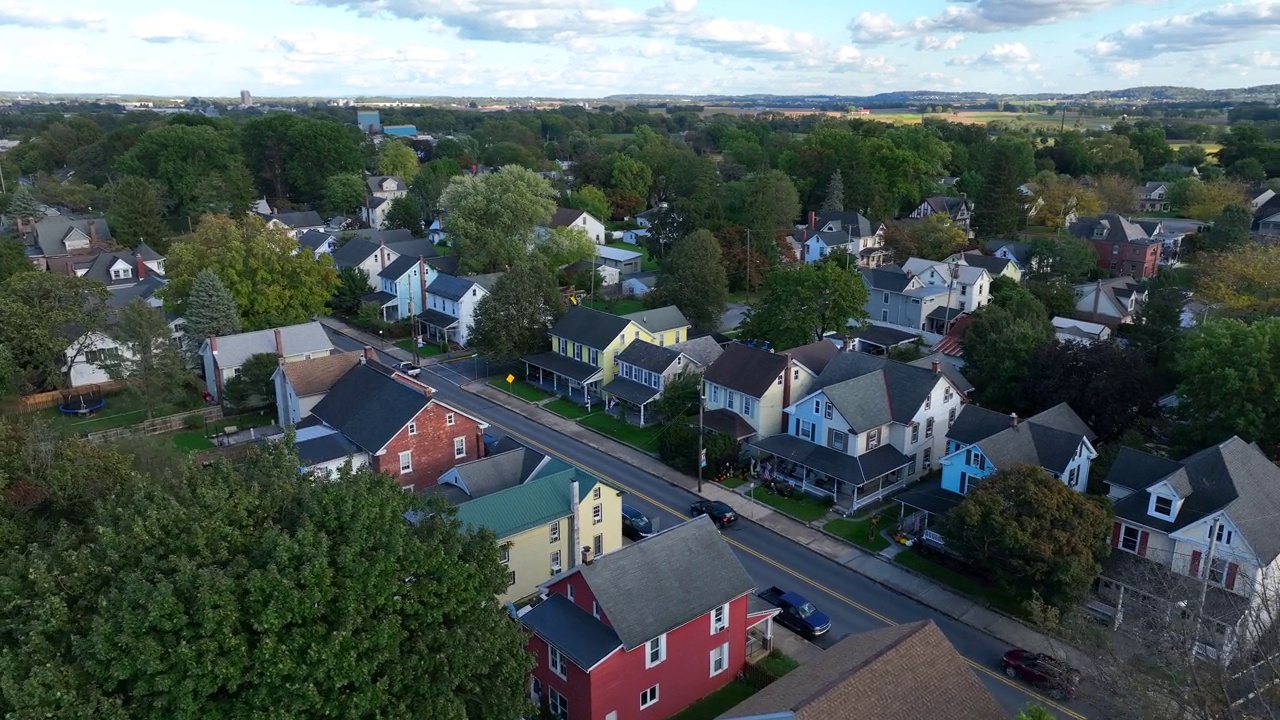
{"x":510,"y":378}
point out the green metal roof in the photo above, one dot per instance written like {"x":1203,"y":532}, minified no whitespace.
{"x":537,"y":502}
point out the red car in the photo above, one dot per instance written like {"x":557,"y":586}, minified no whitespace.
{"x":1042,"y":672}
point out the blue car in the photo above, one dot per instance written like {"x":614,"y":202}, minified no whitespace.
{"x":798,"y":615}
{"x":634,"y":524}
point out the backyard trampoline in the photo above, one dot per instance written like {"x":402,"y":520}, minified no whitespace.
{"x":82,"y":400}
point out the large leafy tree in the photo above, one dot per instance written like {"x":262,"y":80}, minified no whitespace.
{"x":629,"y":183}
{"x":1107,"y":384}
{"x":933,"y":238}
{"x":137,"y":212}
{"x":13,"y":258}
{"x":694,"y":280}
{"x":491,"y":218}
{"x":765,"y":203}
{"x":49,"y":318}
{"x":1244,"y":279}
{"x":353,"y":284}
{"x":592,"y":200}
{"x":1230,"y":384}
{"x":513,"y":319}
{"x":397,"y":158}
{"x":1061,"y":198}
{"x":1030,"y":532}
{"x":1230,"y":230}
{"x":145,"y":361}
{"x":563,"y":246}
{"x":210,"y":311}
{"x":197,"y":166}
{"x":254,"y":388}
{"x":343,"y":193}
{"x":1115,"y":194}
{"x":273,"y":285}
{"x":1062,"y":257}
{"x":1009,"y":164}
{"x":803,"y":303}
{"x":998,"y":347}
{"x":405,"y":214}
{"x":293,"y":156}
{"x":431,"y":181}
{"x":246,"y":589}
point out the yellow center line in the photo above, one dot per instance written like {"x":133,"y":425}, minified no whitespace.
{"x":850,"y":601}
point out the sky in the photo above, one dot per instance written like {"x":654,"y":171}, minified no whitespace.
{"x":595,"y":48}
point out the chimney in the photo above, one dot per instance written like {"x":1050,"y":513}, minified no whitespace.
{"x":848,"y":344}
{"x":141,"y":266}
{"x":813,"y":219}
{"x":588,"y":556}
{"x":575,"y":533}
{"x":786,"y":380}
{"x":937,"y":366}
{"x":382,"y":255}
{"x":368,"y":355}
{"x":279,"y":343}
{"x":93,"y":230}
{"x":1013,"y":420}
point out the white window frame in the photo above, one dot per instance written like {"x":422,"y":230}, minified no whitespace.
{"x":504,"y":554}
{"x":915,"y":433}
{"x":1137,"y":539}
{"x":928,"y":428}
{"x":655,"y":651}
{"x":406,"y":462}
{"x":720,"y":619}
{"x":747,"y":409}
{"x":595,"y":493}
{"x":649,"y":697}
{"x":720,"y":655}
{"x":557,"y":704}
{"x":597,"y":514}
{"x":554,"y":529}
{"x":460,"y":447}
{"x":450,"y":420}
{"x":557,"y":566}
{"x":556,"y":662}
{"x":413,"y":429}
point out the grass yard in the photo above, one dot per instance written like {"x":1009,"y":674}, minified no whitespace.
{"x":520,"y":389}
{"x":861,"y":533}
{"x":426,"y":351}
{"x":645,"y":439}
{"x":800,"y":506}
{"x":566,"y":409}
{"x":1184,"y":276}
{"x":734,"y":481}
{"x":625,"y":306}
{"x":717,"y":703}
{"x":122,"y":410}
{"x":778,"y":663}
{"x":959,"y":581}
{"x":193,"y":441}
{"x":1209,"y":147}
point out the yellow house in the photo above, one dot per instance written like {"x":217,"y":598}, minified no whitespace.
{"x":544,"y":524}
{"x":585,"y":344}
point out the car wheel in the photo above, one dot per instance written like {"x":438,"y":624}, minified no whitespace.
{"x":1011,"y":672}
{"x":1057,"y":694}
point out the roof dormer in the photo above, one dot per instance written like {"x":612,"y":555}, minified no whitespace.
{"x":1163,"y":502}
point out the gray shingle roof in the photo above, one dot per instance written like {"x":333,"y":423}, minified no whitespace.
{"x":646,"y":355}
{"x":583,"y":638}
{"x":746,"y":369}
{"x":1117,"y":229}
{"x":658,"y":320}
{"x":325,"y":448}
{"x":369,"y":407}
{"x":902,"y":387}
{"x":846,"y":220}
{"x":862,"y":401}
{"x":1048,"y":440}
{"x":992,"y":264}
{"x":142,"y":290}
{"x":499,"y":471}
{"x":375,"y":183}
{"x":1021,"y":251}
{"x":310,"y":337}
{"x":666,"y":580}
{"x":888,"y":277}
{"x":564,"y":217}
{"x":399,"y":267}
{"x":448,"y":286}
{"x":306,"y":218}
{"x":355,"y":251}
{"x":314,"y":239}
{"x":590,"y":327}
{"x":51,"y":231}
{"x":977,"y":423}
{"x":815,"y":355}
{"x":702,"y":350}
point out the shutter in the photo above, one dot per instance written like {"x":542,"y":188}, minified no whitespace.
{"x":1195,"y":564}
{"x":1115,"y":534}
{"x":1231,"y":575}
{"x":1142,"y":543}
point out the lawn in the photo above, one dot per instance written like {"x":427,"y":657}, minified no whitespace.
{"x":778,"y":663}
{"x":959,"y":581}
{"x":800,"y":506}
{"x":625,"y":306}
{"x":717,"y":703}
{"x":122,"y":410}
{"x":645,"y":438}
{"x":566,"y":409}
{"x":194,"y":441}
{"x":734,"y":481}
{"x":520,"y":389}
{"x":860,"y":532}
{"x":428,"y":350}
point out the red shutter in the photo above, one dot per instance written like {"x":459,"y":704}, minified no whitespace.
{"x":1142,"y":543}
{"x":1231,"y":575}
{"x":1195,"y":564}
{"x":1115,"y":535}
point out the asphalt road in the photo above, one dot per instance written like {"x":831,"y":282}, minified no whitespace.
{"x":854,"y":602}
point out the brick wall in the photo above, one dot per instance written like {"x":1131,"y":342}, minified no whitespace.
{"x":432,"y":448}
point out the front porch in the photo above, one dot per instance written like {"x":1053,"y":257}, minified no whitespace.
{"x":564,"y":376}
{"x":940,"y":319}
{"x":388,"y":305}
{"x":852,"y":481}
{"x":923,"y":505}
{"x":438,"y":328}
{"x":760,"y":616}
{"x":629,"y":399}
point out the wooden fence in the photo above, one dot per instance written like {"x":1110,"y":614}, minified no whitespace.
{"x":53,"y":398}
{"x":156,"y":426}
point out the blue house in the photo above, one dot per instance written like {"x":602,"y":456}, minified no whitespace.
{"x":982,"y":441}
{"x":401,"y":285}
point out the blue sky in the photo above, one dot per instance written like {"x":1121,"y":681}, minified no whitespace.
{"x":591,"y":48}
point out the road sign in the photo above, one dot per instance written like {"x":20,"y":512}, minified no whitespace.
{"x":702,"y":458}
{"x":510,"y":378}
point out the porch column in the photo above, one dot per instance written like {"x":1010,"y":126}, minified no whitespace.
{"x":642,"y":413}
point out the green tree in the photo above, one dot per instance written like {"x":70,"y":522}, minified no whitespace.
{"x":1066,"y":258}
{"x":765,"y":203}
{"x":1034,"y":712}
{"x":353,"y":284}
{"x":23,"y":206}
{"x":136,"y":212}
{"x":1244,"y":279}
{"x":679,"y":398}
{"x":1230,"y":229}
{"x":491,"y":218}
{"x":694,"y":280}
{"x":1107,"y":384}
{"x":145,"y":360}
{"x":294,"y":156}
{"x":431,"y":181}
{"x":1028,"y":530}
{"x":1157,"y":327}
{"x":254,"y":388}
{"x":590,"y":199}
{"x":933,"y":238}
{"x":513,"y":319}
{"x":13,"y":258}
{"x":1056,"y":295}
{"x":1191,"y":156}
{"x":629,"y":183}
{"x":197,"y":166}
{"x":210,"y":311}
{"x":803,"y":303}
{"x":1009,"y":164}
{"x":1247,"y":170}
{"x":294,"y":598}
{"x":561,"y":246}
{"x":344,"y":193}
{"x":834,"y":199}
{"x":1229,"y":384}
{"x":397,"y":158}
{"x":405,"y":214}
{"x":49,"y":319}
{"x":273,"y":285}
{"x":998,"y":347}
{"x":1060,"y":198}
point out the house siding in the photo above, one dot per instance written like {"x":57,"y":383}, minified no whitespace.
{"x":431,"y":448}
{"x":960,"y":463}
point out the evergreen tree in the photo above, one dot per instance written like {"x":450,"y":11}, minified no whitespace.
{"x":1000,"y":207}
{"x":23,"y":205}
{"x":145,"y":361}
{"x":210,"y":310}
{"x":834,"y":201}
{"x":137,"y":214}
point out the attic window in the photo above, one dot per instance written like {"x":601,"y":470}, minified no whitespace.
{"x":121,"y":274}
{"x":1164,"y":506}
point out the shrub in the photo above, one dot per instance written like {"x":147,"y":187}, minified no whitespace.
{"x":194,"y":422}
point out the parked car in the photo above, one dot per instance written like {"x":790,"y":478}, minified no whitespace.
{"x":1043,"y":672}
{"x":408,"y":368}
{"x":634,"y":524}
{"x":720,"y":513}
{"x":798,"y":615}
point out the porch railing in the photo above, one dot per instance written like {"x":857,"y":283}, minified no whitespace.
{"x":934,"y":537}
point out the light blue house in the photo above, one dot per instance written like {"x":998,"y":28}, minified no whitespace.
{"x":982,"y":442}
{"x":401,"y":287}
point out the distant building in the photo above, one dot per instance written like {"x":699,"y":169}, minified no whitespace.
{"x":401,"y":130}
{"x":369,"y":121}
{"x":246,"y":98}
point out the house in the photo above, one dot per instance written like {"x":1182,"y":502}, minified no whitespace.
{"x":972,"y":284}
{"x":585,"y":343}
{"x":848,"y":232}
{"x":1073,"y":330}
{"x":900,"y":299}
{"x":1032,"y":202}
{"x":639,"y":284}
{"x":319,"y":242}
{"x":995,"y":265}
{"x":1266,"y":217}
{"x":324,"y":452}
{"x":635,"y":237}
{"x":300,"y":385}
{"x":903,"y":671}
{"x":1111,"y":302}
{"x":877,"y":340}
{"x":1170,"y":232}
{"x":1123,"y":247}
{"x":867,"y":426}
{"x":646,"y":218}
{"x":295,"y":223}
{"x":958,"y":209}
{"x":1261,"y":199}
{"x":981,"y":442}
{"x":223,"y":357}
{"x":568,"y":217}
{"x":624,"y":261}
{"x":644,"y":370}
{"x":951,"y":345}
{"x":374,"y":251}
{"x":545,"y":523}
{"x":1153,"y":197}
{"x":755,"y":385}
{"x":450,"y":308}
{"x":1012,"y":250}
{"x":605,"y":276}
{"x":644,"y":632}
{"x":507,"y":465}
{"x":61,"y":236}
{"x":401,"y":294}
{"x":383,"y":190}
{"x":1202,"y":529}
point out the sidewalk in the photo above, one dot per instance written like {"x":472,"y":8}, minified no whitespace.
{"x":874,"y":567}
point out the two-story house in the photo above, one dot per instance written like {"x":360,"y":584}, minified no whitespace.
{"x":1153,"y":197}
{"x":868,"y":426}
{"x":294,"y":223}
{"x":300,"y":385}
{"x":1123,"y":247}
{"x":585,"y":343}
{"x":971,"y":283}
{"x":899,"y":299}
{"x":223,"y":357}
{"x":383,"y":190}
{"x":1015,"y":251}
{"x":1111,"y":302}
{"x":750,"y":386}
{"x":402,"y":288}
{"x":957,"y":209}
{"x":644,"y":369}
{"x":374,"y":251}
{"x":318,"y":242}
{"x":1266,"y":217}
{"x":48,"y":238}
{"x":981,"y":442}
{"x":1199,"y":530}
{"x":450,"y":309}
{"x":848,"y":232}
{"x":995,"y":265}
{"x":570,"y":217}
{"x":644,"y":632}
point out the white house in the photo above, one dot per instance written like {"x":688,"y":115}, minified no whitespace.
{"x":296,"y":223}
{"x":319,"y":242}
{"x":1081,"y":331}
{"x":1110,"y":302}
{"x":568,"y":217}
{"x":848,"y":232}
{"x":223,"y":357}
{"x":383,"y":190}
{"x":970,"y":284}
{"x":451,"y":307}
{"x":301,"y":385}
{"x":323,"y":451}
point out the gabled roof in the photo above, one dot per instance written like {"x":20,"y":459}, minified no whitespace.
{"x":399,"y":267}
{"x":234,"y":350}
{"x":646,"y":355}
{"x":375,"y":183}
{"x":99,"y":267}
{"x":355,"y":251}
{"x":574,"y":632}
{"x":1266,"y":210}
{"x":145,"y":252}
{"x":445,"y":264}
{"x":657,"y":320}
{"x":951,"y":372}
{"x":1049,"y":440}
{"x":498,"y":471}
{"x":616,"y":254}
{"x":846,"y":221}
{"x":977,"y":423}
{"x":370,"y":407}
{"x":306,"y":218}
{"x":952,"y":344}
{"x":1115,"y":228}
{"x":666,"y":580}
{"x":746,"y":369}
{"x":448,"y":286}
{"x":313,"y":239}
{"x":815,"y":356}
{"x":320,"y":444}
{"x":876,"y":382}
{"x":590,"y":327}
{"x":52,"y":231}
{"x":992,"y":264}
{"x":144,"y":289}
{"x":564,"y":217}
{"x":537,"y":502}
{"x":1021,"y":251}
{"x":890,"y":278}
{"x":317,"y":375}
{"x":947,"y":204}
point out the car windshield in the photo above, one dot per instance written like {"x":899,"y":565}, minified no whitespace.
{"x":806,"y":610}
{"x":640,"y":521}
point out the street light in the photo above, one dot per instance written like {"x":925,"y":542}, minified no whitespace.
{"x":382,"y":340}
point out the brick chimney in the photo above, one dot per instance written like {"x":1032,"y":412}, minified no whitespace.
{"x":937,"y":366}
{"x":279,"y":343}
{"x":813,"y":220}
{"x":588,"y":556}
{"x":367,"y":355}
{"x":786,"y":380}
{"x":93,"y":230}
{"x":140,"y":266}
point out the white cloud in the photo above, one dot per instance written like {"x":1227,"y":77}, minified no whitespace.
{"x":1192,"y":32}
{"x":42,"y":15}
{"x":974,"y":16}
{"x":168,"y":27}
{"x":1001,"y":55}
{"x":932,"y":42}
{"x":875,"y":28}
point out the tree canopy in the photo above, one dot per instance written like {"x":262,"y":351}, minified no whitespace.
{"x":694,"y":281}
{"x":145,"y":361}
{"x":1230,"y":384}
{"x":137,"y":212}
{"x":49,"y":317}
{"x":998,"y":347}
{"x":198,"y":167}
{"x":803,"y":303}
{"x":491,"y":218}
{"x":1108,"y":385}
{"x":397,"y":158}
{"x":514,"y":318}
{"x":1243,"y":279}
{"x":210,"y":311}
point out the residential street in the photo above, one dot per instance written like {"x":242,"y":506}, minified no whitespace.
{"x":854,"y":602}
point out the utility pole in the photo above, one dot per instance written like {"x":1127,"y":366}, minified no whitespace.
{"x":413,"y":323}
{"x":702,"y":451}
{"x":748,"y":287}
{"x":1204,"y":584}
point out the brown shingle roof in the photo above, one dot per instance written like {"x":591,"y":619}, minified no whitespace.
{"x":317,"y":375}
{"x":902,"y":671}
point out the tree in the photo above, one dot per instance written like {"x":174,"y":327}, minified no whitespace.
{"x":254,"y":388}
{"x":1000,"y":206}
{"x":491,"y":218}
{"x":764,"y":203}
{"x":344,"y":193}
{"x":210,"y":311}
{"x":1060,"y":199}
{"x":694,"y":280}
{"x":13,"y":258}
{"x":629,"y":183}
{"x":998,"y":347}
{"x":49,"y":320}
{"x":23,"y":206}
{"x":1116,"y":194}
{"x":1191,"y":156}
{"x":136,"y":212}
{"x":273,"y":285}
{"x":1157,"y":327}
{"x":1113,"y":154}
{"x":353,"y":284}
{"x":1068,"y":258}
{"x":197,"y":166}
{"x":834,"y":200}
{"x":1056,"y":295}
{"x":397,"y":158}
{"x":1247,"y":170}
{"x":1028,"y":530}
{"x":513,"y":319}
{"x":592,"y":200}
{"x":1034,"y":712}
{"x":679,"y":398}
{"x":1205,"y":200}
{"x":294,"y":598}
{"x":933,"y":238}
{"x":561,"y":246}
{"x":1107,"y":384}
{"x":405,"y":214}
{"x":1245,"y":279}
{"x":145,"y":360}
{"x":1230,"y":385}
{"x":1230,"y":229}
{"x":293,"y":156}
{"x":803,"y":303}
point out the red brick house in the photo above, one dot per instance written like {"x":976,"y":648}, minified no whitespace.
{"x":645,"y":631}
{"x":1123,"y":247}
{"x":393,"y":423}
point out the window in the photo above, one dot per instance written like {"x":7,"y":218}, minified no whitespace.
{"x":837,"y":440}
{"x":564,"y":347}
{"x":577,"y":351}
{"x":595,"y":358}
{"x":595,"y":494}
{"x":555,"y":531}
{"x":951,"y":417}
{"x":459,"y":447}
{"x":817,"y":407}
{"x":795,"y":374}
{"x":911,"y":468}
{"x":656,"y":651}
{"x":947,"y":394}
{"x":926,"y":458}
{"x":655,"y":380}
{"x":806,"y":430}
{"x":649,"y":697}
{"x":915,"y":433}
{"x":450,"y":420}
{"x":1164,"y":506}
{"x":884,"y":316}
{"x":827,"y":411}
{"x":885,"y":298}
{"x":121,"y":274}
{"x":595,"y":609}
{"x":406,"y":462}
{"x":557,"y":705}
{"x":511,"y":578}
{"x":1224,"y":535}
{"x":747,"y":408}
{"x":715,"y":393}
{"x":504,"y":553}
{"x":928,"y":401}
{"x":626,"y":371}
{"x":873,"y":439}
{"x":597,"y":514}
{"x":1218,"y":571}
{"x":720,"y":619}
{"x":413,"y":428}
{"x":555,"y":563}
{"x":719,"y":659}
{"x":597,"y":544}
{"x":729,"y":398}
{"x":928,"y":428}
{"x":1129,"y":539}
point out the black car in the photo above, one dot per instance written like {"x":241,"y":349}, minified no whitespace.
{"x":634,"y":524}
{"x":720,"y":513}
